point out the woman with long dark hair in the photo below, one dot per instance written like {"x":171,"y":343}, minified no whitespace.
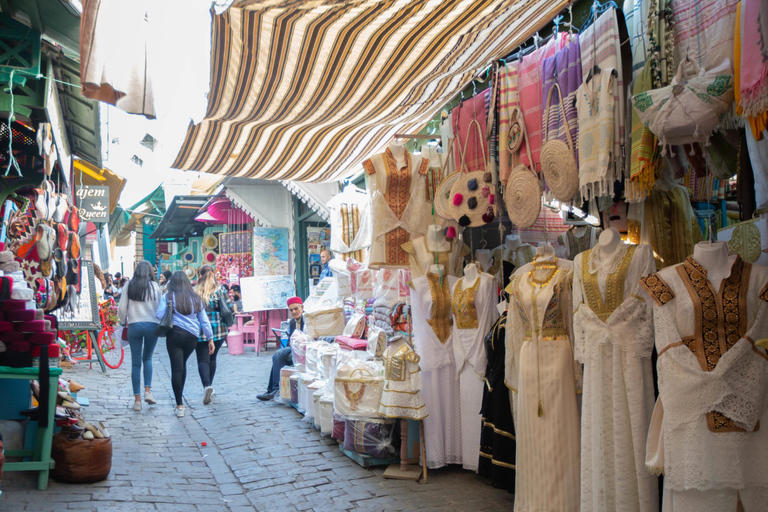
{"x":189,"y":319}
{"x":165,"y":278}
{"x":137,"y":309}
{"x":211,"y":292}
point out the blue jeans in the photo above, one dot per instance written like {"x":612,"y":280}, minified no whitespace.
{"x":142,"y":337}
{"x":283,"y":357}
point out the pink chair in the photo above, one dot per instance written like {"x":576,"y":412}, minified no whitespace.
{"x":274,"y":318}
{"x":247,"y":325}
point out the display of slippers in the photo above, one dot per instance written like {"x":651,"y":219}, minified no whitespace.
{"x":62,"y":236}
{"x":74,"y":245}
{"x":74,"y":219}
{"x":74,"y":387}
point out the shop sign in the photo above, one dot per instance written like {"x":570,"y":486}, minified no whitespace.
{"x":94,"y":203}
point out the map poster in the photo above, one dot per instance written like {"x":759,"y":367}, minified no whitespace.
{"x":261,"y":293}
{"x":270,"y":252}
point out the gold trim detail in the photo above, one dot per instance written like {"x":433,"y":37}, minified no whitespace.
{"x":614,"y":285}
{"x":659,"y":291}
{"x":463,"y":305}
{"x":440,"y":313}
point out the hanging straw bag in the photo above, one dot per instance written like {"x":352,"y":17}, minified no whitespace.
{"x":325,"y":322}
{"x":473,"y":194}
{"x":558,"y":162}
{"x":522,"y":194}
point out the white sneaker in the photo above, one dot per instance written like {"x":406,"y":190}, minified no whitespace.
{"x":179,"y":412}
{"x":149,"y":398}
{"x":208,"y":393}
{"x":136,"y":406}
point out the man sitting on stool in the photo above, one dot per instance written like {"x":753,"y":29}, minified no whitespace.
{"x":283,"y":357}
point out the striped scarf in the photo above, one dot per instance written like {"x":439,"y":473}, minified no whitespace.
{"x":508,"y":99}
{"x":565,"y":68}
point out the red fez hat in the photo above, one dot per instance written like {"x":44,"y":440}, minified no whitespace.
{"x":295,"y":300}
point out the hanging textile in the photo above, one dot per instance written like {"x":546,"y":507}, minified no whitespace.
{"x":470,"y":143}
{"x":531,"y":99}
{"x":351,"y":228}
{"x":754,"y":69}
{"x":704,"y":30}
{"x":759,"y":122}
{"x":548,"y":227}
{"x":601,"y":46}
{"x":645,"y":155}
{"x":565,"y":69}
{"x":636,"y":14}
{"x":509,"y":113}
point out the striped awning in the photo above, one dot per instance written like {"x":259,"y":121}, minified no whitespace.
{"x":306,"y":90}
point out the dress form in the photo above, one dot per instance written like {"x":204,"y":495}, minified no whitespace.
{"x":435,"y":239}
{"x":714,"y":257}
{"x":512,"y":242}
{"x":436,"y":269}
{"x":484,"y":258}
{"x":398,"y":151}
{"x":470,"y":276}
{"x":609,"y":240}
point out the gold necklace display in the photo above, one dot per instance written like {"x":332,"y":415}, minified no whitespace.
{"x":543,"y":265}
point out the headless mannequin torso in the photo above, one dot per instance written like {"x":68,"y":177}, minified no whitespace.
{"x":435,"y":240}
{"x":609,"y":240}
{"x":714,"y":257}
{"x":512,"y":242}
{"x":398,"y":151}
{"x":470,"y":276}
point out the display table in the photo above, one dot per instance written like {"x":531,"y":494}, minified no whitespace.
{"x":41,"y":454}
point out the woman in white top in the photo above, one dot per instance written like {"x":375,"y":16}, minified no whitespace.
{"x":138,"y":305}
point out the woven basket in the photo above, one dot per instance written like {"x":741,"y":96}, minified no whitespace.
{"x":481,"y":195}
{"x":443,"y":196}
{"x":522,"y":195}
{"x":557,"y":160}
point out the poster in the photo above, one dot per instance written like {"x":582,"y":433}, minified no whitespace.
{"x":94,"y":203}
{"x":270,"y":251}
{"x":82,"y":311}
{"x":261,"y":293}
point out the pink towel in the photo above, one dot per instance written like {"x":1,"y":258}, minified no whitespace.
{"x":475,"y":145}
{"x":754,"y":71}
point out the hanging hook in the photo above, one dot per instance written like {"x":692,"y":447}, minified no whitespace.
{"x":536,"y":38}
{"x":558,"y":19}
{"x":474,"y":88}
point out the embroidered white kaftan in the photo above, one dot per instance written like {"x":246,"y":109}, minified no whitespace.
{"x":474,"y":312}
{"x":402,"y":384}
{"x":540,"y":371}
{"x":433,"y":342}
{"x":709,"y":437}
{"x":613,"y":338}
{"x":421,"y":256}
{"x":351,"y":226}
{"x":399,"y":206}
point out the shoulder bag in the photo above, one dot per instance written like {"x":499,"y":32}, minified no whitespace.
{"x":226,"y":313}
{"x":166,"y":324}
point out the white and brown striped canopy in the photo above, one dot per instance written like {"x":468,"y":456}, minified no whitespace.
{"x":306,"y":90}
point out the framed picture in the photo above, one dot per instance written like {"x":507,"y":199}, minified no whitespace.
{"x":81,"y":312}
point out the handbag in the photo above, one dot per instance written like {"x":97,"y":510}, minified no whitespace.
{"x":357,"y":393}
{"x":326,"y":322}
{"x":522,"y":194}
{"x":124,"y":333}
{"x":166,"y":324}
{"x":558,"y":163}
{"x":226,"y":313}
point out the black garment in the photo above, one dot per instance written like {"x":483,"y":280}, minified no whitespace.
{"x":292,"y":327}
{"x":497,"y":439}
{"x":180,"y":345}
{"x":206,"y":363}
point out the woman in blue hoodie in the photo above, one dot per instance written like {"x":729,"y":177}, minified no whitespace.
{"x":190,"y":323}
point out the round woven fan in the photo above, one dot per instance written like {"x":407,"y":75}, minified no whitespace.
{"x":210,"y":242}
{"x":189,"y":257}
{"x":209,"y":258}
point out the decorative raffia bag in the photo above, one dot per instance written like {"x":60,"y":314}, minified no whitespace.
{"x":325,"y":322}
{"x":522,"y":194}
{"x":357,"y":393}
{"x":558,"y":162}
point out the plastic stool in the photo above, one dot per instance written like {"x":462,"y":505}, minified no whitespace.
{"x":235,"y":343}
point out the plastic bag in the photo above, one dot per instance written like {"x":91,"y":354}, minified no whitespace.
{"x":299,"y":342}
{"x":377,"y":341}
{"x":361,"y":284}
{"x":379,"y":438}
{"x":357,"y":392}
{"x":339,"y":427}
{"x":356,"y":326}
{"x":386,"y":285}
{"x":285,"y":382}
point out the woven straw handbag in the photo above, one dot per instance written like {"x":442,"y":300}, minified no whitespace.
{"x":558,"y":162}
{"x":522,"y":194}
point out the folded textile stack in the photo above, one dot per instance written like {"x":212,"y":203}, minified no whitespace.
{"x":349,"y":308}
{"x":350,"y":343}
{"x":399,"y":317}
{"x":378,"y":438}
{"x":369,"y":306}
{"x":382,"y":314}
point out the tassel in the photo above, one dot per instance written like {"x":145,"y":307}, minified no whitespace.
{"x":541,"y":410}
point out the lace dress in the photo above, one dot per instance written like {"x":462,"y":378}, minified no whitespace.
{"x":540,"y":371}
{"x":613,"y":338}
{"x":398,"y":200}
{"x":402,"y":385}
{"x":474,"y":312}
{"x":433,"y":342}
{"x":713,"y":378}
{"x":497,"y":440}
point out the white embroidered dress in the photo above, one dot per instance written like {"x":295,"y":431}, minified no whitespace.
{"x":351,"y":226}
{"x":469,"y":331}
{"x":540,"y":371}
{"x":613,"y":338}
{"x":713,"y":378}
{"x":433,"y":342}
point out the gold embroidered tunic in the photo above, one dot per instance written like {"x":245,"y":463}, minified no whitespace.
{"x":463,"y":305}
{"x":402,"y":386}
{"x":713,"y":377}
{"x":613,"y":338}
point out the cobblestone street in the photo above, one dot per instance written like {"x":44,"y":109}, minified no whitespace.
{"x":259,"y":456}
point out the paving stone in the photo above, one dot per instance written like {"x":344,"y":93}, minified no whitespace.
{"x":260,"y":456}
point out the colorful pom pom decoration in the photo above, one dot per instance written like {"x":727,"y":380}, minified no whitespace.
{"x":487,"y":177}
{"x":472,"y":203}
{"x":464,"y":221}
{"x":472,"y":185}
{"x":491,"y":199}
{"x":450,"y":233}
{"x":457,"y":199}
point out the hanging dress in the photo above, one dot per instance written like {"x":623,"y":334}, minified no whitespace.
{"x":421,"y":256}
{"x":613,"y":338}
{"x":497,"y":439}
{"x":433,"y":342}
{"x":474,"y":311}
{"x":540,"y":370}
{"x":350,"y":224}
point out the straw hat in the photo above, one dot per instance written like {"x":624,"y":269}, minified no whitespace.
{"x":522,"y":197}
{"x":210,"y":242}
{"x":188,"y":257}
{"x":472,"y":199}
{"x":209,"y":258}
{"x":443,"y":196}
{"x":190,"y":271}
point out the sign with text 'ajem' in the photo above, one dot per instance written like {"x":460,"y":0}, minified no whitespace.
{"x":94,"y":203}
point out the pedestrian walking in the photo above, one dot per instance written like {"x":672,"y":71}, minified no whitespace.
{"x":189,"y":319}
{"x":136,"y":311}
{"x":212,"y":294}
{"x":164,"y":279}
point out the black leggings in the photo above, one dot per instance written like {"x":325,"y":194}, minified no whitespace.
{"x":180,"y":344}
{"x":206,"y":363}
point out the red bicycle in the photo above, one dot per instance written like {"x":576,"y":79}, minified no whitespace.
{"x":109,"y":346}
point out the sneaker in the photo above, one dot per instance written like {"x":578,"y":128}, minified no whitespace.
{"x":136,"y":406}
{"x":179,"y":412}
{"x":266,"y":396}
{"x":149,"y":398}
{"x":208,"y":394}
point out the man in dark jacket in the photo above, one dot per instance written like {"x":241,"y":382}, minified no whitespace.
{"x":283,"y":357}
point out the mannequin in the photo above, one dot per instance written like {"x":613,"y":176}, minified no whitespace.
{"x":512,"y":242}
{"x":545,"y":250}
{"x":437,"y":269}
{"x":435,"y":239}
{"x":398,"y":151}
{"x":433,"y":248}
{"x":484,"y":259}
{"x":470,"y":276}
{"x":714,"y":257}
{"x":609,"y":240}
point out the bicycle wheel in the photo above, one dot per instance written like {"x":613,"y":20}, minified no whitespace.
{"x":111,"y":352}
